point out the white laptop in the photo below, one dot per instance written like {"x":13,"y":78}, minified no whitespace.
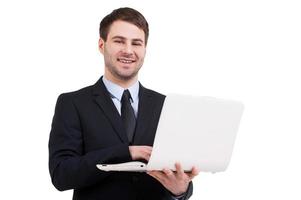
{"x":194,"y":131}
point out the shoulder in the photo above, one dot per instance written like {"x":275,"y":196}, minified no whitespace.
{"x":77,"y":95}
{"x":152,"y":95}
{"x":151,"y":92}
{"x":155,"y":93}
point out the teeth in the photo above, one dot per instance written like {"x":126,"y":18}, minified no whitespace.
{"x":125,"y":61}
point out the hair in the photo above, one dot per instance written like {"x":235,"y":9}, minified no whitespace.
{"x":124,"y":14}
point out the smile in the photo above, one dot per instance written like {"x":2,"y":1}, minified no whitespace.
{"x":126,"y":61}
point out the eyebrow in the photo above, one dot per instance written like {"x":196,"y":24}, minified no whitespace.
{"x":123,"y":38}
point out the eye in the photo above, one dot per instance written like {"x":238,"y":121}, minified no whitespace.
{"x":118,"y":41}
{"x":137,"y":44}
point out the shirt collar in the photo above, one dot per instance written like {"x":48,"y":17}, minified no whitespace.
{"x":116,"y":91}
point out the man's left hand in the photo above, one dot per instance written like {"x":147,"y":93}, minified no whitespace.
{"x":176,"y":182}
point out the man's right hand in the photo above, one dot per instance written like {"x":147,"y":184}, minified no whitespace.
{"x":140,"y":152}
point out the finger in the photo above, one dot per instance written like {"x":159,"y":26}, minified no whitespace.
{"x":147,"y":151}
{"x":156,"y":174}
{"x":161,"y":175}
{"x":169,"y":174}
{"x":152,"y":175}
{"x":147,"y":148}
{"x":194,"y":172}
{"x":147,"y":156}
{"x":180,"y":171}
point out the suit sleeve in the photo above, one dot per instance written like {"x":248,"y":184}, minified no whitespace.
{"x":188,"y":193}
{"x":70,"y":167}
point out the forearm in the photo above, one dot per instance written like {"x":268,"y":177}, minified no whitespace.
{"x":73,"y":171}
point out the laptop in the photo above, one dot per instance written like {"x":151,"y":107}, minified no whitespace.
{"x":194,"y":131}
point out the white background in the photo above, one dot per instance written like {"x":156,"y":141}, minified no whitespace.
{"x":243,"y":50}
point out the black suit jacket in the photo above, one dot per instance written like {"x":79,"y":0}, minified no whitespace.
{"x":87,"y":130}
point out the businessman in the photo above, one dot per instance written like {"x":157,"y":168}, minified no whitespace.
{"x":113,"y":121}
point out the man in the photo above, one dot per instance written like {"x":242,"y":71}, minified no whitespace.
{"x":113,"y":121}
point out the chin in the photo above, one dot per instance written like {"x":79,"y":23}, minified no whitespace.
{"x":127,"y":76}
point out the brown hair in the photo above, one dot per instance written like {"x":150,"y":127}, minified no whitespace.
{"x":125,"y":14}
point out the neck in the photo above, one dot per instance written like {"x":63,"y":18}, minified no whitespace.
{"x":121,"y":82}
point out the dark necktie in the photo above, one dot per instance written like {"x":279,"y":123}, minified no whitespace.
{"x":128,"y":115}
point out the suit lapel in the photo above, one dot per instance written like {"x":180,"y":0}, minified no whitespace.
{"x":103,"y":99}
{"x":145,"y":113}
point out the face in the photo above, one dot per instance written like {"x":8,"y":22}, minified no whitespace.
{"x":124,"y":50}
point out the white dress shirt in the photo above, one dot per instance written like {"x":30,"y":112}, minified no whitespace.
{"x":116,"y":94}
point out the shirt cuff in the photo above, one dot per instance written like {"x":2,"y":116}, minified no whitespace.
{"x":179,"y":197}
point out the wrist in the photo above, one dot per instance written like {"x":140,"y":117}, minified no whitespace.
{"x":177,"y":197}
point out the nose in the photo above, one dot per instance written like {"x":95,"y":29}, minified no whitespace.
{"x":128,"y":48}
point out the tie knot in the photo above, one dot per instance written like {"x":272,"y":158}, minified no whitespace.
{"x":126,"y":95}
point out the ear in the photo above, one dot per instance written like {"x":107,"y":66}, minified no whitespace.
{"x":101,"y":44}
